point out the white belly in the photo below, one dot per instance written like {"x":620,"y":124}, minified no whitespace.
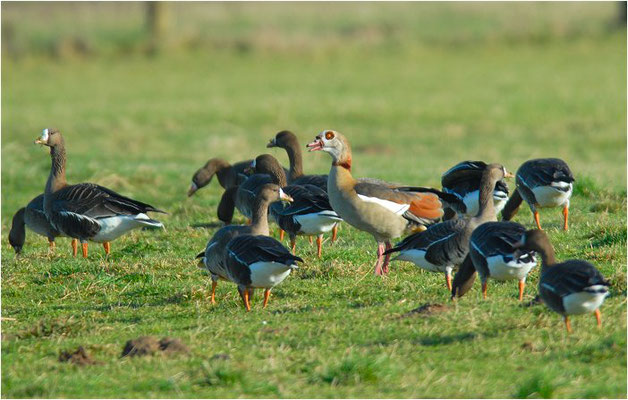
{"x":504,"y":271}
{"x":472,"y":201}
{"x":315,"y":224}
{"x":418,"y":258}
{"x":550,"y":196}
{"x":583,"y":302}
{"x":113,"y":227}
{"x":268,"y":274}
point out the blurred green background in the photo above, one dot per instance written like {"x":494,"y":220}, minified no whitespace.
{"x":145,"y":96}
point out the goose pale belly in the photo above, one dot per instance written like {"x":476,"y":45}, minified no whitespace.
{"x":113,"y":227}
{"x":552,"y":196}
{"x":418,"y":258}
{"x":503,"y":270}
{"x":472,"y":201}
{"x":268,"y":274}
{"x":583,"y":302}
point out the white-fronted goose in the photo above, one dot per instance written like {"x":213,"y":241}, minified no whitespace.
{"x":310,"y":214}
{"x":213,"y":258}
{"x":34,"y":217}
{"x":86,"y":211}
{"x":493,"y":256}
{"x":444,"y":246}
{"x":258,"y":262}
{"x":228,"y":175}
{"x":463,"y":180}
{"x":542,"y":183}
{"x":569,"y":288}
{"x":384,"y":210}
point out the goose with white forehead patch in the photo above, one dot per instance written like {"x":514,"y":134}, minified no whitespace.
{"x":86,"y":211}
{"x":493,"y":255}
{"x":569,"y":288}
{"x":463,"y":180}
{"x":213,"y":258}
{"x":542,"y":183}
{"x":384,"y":210}
{"x":444,"y":246}
{"x":309,"y":215}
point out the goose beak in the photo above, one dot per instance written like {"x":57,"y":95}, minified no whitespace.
{"x":271,"y":143}
{"x":193,"y":188}
{"x":316,"y":145}
{"x":285,"y":197}
{"x":509,"y":175}
{"x":39,"y":141}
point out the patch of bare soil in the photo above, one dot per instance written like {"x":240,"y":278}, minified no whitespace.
{"x":426,"y":310}
{"x":149,"y":345}
{"x":78,"y":357}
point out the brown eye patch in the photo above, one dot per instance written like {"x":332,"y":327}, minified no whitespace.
{"x":329,"y":135}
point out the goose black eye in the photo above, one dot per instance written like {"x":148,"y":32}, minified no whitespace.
{"x":329,"y":135}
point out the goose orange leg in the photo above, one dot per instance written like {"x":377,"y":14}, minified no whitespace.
{"x":380,"y":258}
{"x":293,"y":244}
{"x":245,"y":297}
{"x":566,"y":216}
{"x":567,"y":323}
{"x":484,"y":289}
{"x":334,"y":233}
{"x":213,"y":296}
{"x":536,"y":219}
{"x":51,"y":246}
{"x":281,"y":234}
{"x":598,"y":317}
{"x":266,"y":296}
{"x":309,"y":238}
{"x":522,"y":285}
{"x":84,"y":250}
{"x":74,"y":247}
{"x":319,"y":244}
{"x":107,"y":247}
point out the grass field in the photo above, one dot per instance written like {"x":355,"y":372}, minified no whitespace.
{"x":496,"y":84}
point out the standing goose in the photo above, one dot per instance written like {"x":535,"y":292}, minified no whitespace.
{"x":444,"y":246}
{"x":258,"y":262}
{"x":34,"y":217}
{"x":309,"y":215}
{"x":86,"y":211}
{"x":569,"y":288}
{"x":542,"y":183}
{"x":228,"y":175}
{"x":493,"y":255}
{"x":463,"y":180}
{"x":213,"y":258}
{"x":384,"y":210}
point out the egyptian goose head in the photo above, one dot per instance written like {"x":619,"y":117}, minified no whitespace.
{"x":336,"y":145}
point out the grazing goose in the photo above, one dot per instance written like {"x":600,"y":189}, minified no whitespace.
{"x":34,"y":217}
{"x":384,"y":210}
{"x":228,"y":175}
{"x":444,"y":246}
{"x":569,"y":288}
{"x":463,"y":180}
{"x":86,"y":211}
{"x":309,"y":215}
{"x":493,"y":256}
{"x":213,"y":258}
{"x":542,"y":183}
{"x":258,"y":262}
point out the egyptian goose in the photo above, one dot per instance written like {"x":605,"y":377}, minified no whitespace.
{"x":493,"y":256}
{"x":258,"y":261}
{"x":86,"y":211}
{"x":542,"y":183}
{"x":34,"y":217}
{"x":569,"y":288}
{"x":444,"y":246}
{"x":463,"y":180}
{"x":309,"y":215}
{"x":384,"y":210}
{"x":228,"y":175}
{"x":213,"y":257}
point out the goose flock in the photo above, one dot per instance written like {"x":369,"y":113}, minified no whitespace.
{"x":450,"y":230}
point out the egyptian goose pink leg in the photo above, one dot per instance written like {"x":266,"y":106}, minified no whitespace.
{"x":386,"y":258}
{"x":380,"y":258}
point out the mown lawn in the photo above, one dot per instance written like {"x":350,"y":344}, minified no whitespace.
{"x":142,"y":126}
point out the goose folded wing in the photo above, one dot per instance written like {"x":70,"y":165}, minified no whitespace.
{"x":75,"y":225}
{"x":307,"y":199}
{"x":319,"y":181}
{"x":571,"y":277}
{"x":464,"y":171}
{"x":413,"y":205}
{"x":249,"y":249}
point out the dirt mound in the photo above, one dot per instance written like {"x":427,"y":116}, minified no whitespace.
{"x":426,"y":310}
{"x":149,"y":345}
{"x":78,"y":357}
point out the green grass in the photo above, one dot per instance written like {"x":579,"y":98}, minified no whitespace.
{"x":412,"y":109}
